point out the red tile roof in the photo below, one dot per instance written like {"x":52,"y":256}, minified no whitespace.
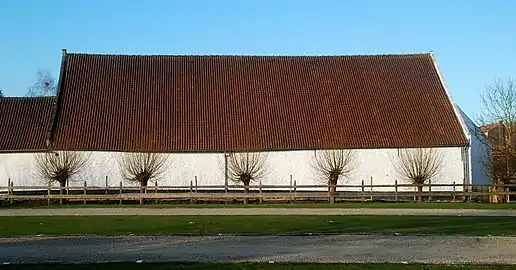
{"x":25,"y":123}
{"x":230,"y":103}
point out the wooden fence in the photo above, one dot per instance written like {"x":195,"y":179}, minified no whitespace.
{"x":257,"y":193}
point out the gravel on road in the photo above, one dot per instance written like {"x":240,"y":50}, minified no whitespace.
{"x":301,"y":249}
{"x":252,"y":212}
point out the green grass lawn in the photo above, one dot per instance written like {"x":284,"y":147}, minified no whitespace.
{"x":255,"y":266}
{"x":433,"y":205}
{"x":261,"y":225}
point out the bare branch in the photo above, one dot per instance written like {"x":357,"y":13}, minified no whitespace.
{"x":247,"y":167}
{"x":60,"y":167}
{"x":46,"y":85}
{"x":142,"y":167}
{"x":499,"y":106}
{"x":332,"y":164}
{"x":498,"y":114}
{"x":418,"y":165}
{"x":329,"y":165}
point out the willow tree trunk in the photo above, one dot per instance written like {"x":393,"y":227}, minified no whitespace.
{"x":246,"y":192}
{"x":62,"y":184}
{"x":332,"y":189}
{"x":420,"y":193}
{"x":143,"y":186}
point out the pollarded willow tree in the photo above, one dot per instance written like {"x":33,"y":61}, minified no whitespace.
{"x":245,"y":168}
{"x":60,"y":167}
{"x":418,"y":165}
{"x":141,"y":168}
{"x":332,"y":165}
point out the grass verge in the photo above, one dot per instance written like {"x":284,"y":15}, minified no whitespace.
{"x":260,"y":225}
{"x":432,"y":205}
{"x":256,"y":266}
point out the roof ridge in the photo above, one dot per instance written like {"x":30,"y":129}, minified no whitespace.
{"x":258,"y":55}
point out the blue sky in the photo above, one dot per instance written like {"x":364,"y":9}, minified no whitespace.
{"x":473,"y":41}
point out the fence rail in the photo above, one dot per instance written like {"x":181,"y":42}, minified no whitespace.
{"x":260,"y":193}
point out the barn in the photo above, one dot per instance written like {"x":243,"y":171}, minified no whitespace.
{"x":198,"y":108}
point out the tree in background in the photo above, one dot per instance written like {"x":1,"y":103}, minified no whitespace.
{"x":330,"y":165}
{"x":2,"y":93}
{"x":244,"y":168}
{"x":417,"y":166}
{"x":498,"y":117}
{"x":46,"y":85}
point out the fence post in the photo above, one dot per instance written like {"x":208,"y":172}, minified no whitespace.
{"x":60,"y":194}
{"x":290,"y":190}
{"x":195,"y":188}
{"x":260,"y":187}
{"x":371,"y":188}
{"x":191,"y":191}
{"x":8,"y":187}
{"x":48,"y":193}
{"x":330,"y":195}
{"x":106,"y":184}
{"x":145,"y":193}
{"x":156,"y":192}
{"x":85,"y":185}
{"x":396,"y":190}
{"x":429,"y":190}
{"x":363,"y":191}
{"x":453,"y":191}
{"x":120,"y":200}
{"x":295,"y":190}
{"x":11,"y":192}
{"x":508,"y":199}
{"x":464,"y":190}
{"x":226,"y":190}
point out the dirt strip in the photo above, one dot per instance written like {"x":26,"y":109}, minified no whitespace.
{"x":252,"y":212}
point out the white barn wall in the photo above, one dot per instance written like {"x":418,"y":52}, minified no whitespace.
{"x":479,"y":155}
{"x":19,"y":167}
{"x":480,"y":152}
{"x":209,"y":168}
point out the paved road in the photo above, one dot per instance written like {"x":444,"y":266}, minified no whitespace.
{"x":252,"y":211}
{"x":321,"y":249}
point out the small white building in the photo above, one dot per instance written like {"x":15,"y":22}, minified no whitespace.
{"x":196,"y":108}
